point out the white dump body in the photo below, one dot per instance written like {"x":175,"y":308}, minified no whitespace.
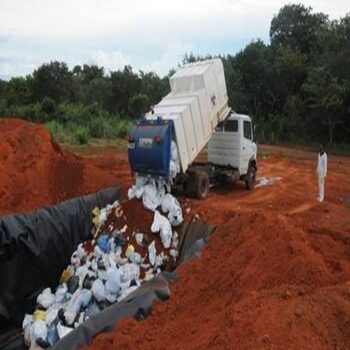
{"x":197,"y":103}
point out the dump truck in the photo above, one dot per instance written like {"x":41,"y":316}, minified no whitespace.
{"x":195,"y":114}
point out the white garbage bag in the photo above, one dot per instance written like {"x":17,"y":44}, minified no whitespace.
{"x":172,"y":206}
{"x":136,"y":190}
{"x":45,"y":298}
{"x":152,"y":253}
{"x":60,"y":293}
{"x":139,"y":238}
{"x":162,"y":225}
{"x":38,"y":330}
{"x":149,"y":198}
{"x":73,"y":307}
{"x":129,"y":272}
{"x":98,"y":290}
{"x":112,"y":286}
{"x":51,"y":314}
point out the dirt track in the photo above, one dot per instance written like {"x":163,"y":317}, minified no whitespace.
{"x":275,"y":275}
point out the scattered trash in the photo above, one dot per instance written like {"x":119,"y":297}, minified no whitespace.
{"x":265,"y":181}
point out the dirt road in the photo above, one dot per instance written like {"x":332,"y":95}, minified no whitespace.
{"x":275,"y":274}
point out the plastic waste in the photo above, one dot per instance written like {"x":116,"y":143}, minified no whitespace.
{"x":38,"y":330}
{"x":52,"y":335}
{"x":86,"y":296}
{"x":66,"y":275}
{"x":149,"y":198}
{"x":96,"y":216}
{"x":139,"y":238}
{"x":175,"y":241}
{"x":136,"y":190}
{"x":112,"y":286}
{"x":51,"y":315}
{"x":98,"y":290}
{"x":45,"y":298}
{"x":63,"y":330}
{"x":135,"y":258}
{"x":39,"y":315}
{"x":103,"y":243}
{"x":171,"y":205}
{"x":103,"y":216}
{"x":73,"y":284}
{"x":162,"y":225}
{"x":152,"y":253}
{"x":128,"y":272}
{"x":129,"y":250}
{"x":73,"y":307}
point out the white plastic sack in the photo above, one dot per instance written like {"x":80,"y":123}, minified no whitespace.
{"x":45,"y":298}
{"x":73,"y":307}
{"x":152,"y":253}
{"x":129,"y":272}
{"x":98,"y":290}
{"x":60,"y":293}
{"x":112,"y":286}
{"x":136,"y":190}
{"x":162,"y":225}
{"x":172,"y":206}
{"x":51,"y":314}
{"x":38,"y":330}
{"x":150,"y":198}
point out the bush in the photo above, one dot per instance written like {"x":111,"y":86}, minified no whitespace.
{"x":82,"y":135}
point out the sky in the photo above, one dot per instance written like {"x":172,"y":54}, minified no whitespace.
{"x":150,"y":35}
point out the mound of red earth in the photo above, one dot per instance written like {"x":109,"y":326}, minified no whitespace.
{"x":261,"y":283}
{"x":35,"y":171}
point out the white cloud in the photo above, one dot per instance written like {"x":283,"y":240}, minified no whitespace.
{"x":110,"y":60}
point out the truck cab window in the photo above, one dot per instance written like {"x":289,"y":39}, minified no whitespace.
{"x":231,"y":125}
{"x":247,"y":130}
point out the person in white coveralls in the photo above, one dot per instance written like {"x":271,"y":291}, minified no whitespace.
{"x":321,"y":172}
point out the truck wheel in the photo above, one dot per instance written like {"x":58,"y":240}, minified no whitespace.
{"x":250,"y":179}
{"x":202,"y":184}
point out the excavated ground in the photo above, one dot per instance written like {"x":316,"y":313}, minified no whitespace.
{"x":275,"y":274}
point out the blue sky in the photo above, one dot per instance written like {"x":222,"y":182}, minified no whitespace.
{"x":149,"y":35}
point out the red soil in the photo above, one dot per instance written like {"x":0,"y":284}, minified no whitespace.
{"x":35,"y":171}
{"x":275,"y":274}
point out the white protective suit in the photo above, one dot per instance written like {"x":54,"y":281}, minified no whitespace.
{"x":321,"y":171}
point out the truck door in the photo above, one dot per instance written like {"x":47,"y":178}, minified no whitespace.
{"x":246,"y":146}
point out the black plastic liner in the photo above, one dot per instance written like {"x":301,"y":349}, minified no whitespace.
{"x":36,"y":247}
{"x":138,"y":304}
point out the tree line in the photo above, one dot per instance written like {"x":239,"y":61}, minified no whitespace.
{"x":297,"y":87}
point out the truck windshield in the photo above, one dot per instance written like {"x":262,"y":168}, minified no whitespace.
{"x":231,"y":125}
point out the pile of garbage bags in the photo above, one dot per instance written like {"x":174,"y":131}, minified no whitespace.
{"x":109,"y":267}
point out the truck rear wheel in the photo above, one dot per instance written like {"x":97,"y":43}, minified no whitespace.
{"x":250,"y":179}
{"x":202,"y":184}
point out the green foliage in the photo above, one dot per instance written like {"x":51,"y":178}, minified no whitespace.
{"x":81,"y":135}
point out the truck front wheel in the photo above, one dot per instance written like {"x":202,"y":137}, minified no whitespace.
{"x":250,"y":179}
{"x":202,"y":184}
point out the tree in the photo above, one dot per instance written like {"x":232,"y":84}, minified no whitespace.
{"x":53,"y":80}
{"x":325,"y":96}
{"x":297,"y":27}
